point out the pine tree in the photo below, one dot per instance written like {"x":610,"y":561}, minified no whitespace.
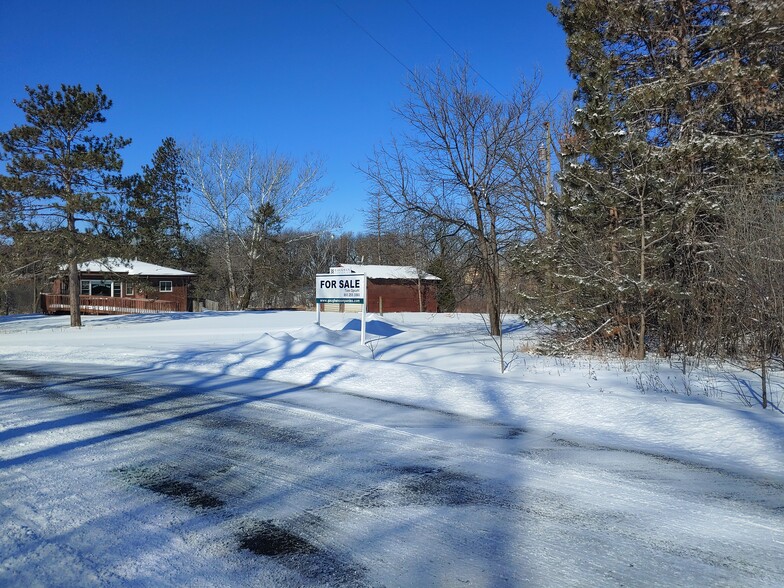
{"x":60,"y":177}
{"x":153,"y":207}
{"x":667,"y":123}
{"x":445,"y":293}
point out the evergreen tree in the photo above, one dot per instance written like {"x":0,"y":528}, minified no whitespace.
{"x":264,"y":251}
{"x":60,"y":177}
{"x":676,"y":100}
{"x":153,"y":207}
{"x":445,"y":293}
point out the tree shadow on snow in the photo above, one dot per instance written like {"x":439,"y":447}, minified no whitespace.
{"x":15,"y":318}
{"x":159,"y":317}
{"x":195,"y":395}
{"x":373,"y":327}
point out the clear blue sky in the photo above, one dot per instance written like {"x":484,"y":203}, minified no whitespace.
{"x":297,"y":76}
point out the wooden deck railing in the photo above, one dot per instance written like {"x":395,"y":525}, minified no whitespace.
{"x":54,"y":303}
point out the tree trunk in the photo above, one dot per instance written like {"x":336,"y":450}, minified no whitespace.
{"x":73,"y":289}
{"x":501,"y":352}
{"x":641,"y":337}
{"x":233,"y":297}
{"x":764,"y":370}
{"x":493,"y":302}
{"x":245,"y":300}
{"x":641,"y":332}
{"x":74,"y":286}
{"x":488,"y":249}
{"x":246,"y":296}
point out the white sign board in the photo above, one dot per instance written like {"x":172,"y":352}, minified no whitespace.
{"x":336,"y":288}
{"x":345,"y":288}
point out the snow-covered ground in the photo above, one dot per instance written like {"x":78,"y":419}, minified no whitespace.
{"x":561,"y":471}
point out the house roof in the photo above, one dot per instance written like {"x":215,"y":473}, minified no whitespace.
{"x":132,"y":268}
{"x":389,"y":272}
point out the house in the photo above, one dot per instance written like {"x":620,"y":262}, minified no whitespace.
{"x":397,"y":288}
{"x":115,"y":286}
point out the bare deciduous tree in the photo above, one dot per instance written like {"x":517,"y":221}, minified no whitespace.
{"x":750,"y":260}
{"x":279,"y":191}
{"x":247,"y":198}
{"x":454,"y":165}
{"x":215,"y":207}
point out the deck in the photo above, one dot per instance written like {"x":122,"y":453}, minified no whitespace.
{"x":59,"y":303}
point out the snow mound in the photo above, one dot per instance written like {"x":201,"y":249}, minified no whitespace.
{"x":328,"y":336}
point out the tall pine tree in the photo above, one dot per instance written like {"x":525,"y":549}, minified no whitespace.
{"x":60,"y":177}
{"x":153,"y":207}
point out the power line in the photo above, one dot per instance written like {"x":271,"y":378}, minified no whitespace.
{"x":448,"y":44}
{"x":367,"y":32}
{"x":437,"y":33}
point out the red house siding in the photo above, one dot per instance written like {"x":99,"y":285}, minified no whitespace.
{"x":401,"y":295}
{"x":146,"y":289}
{"x":178,"y":295}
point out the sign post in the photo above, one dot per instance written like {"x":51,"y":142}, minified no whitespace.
{"x":342,"y":288}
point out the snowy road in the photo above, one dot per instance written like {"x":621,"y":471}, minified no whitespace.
{"x":174,"y":478}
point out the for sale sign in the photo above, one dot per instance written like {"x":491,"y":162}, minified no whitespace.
{"x":336,"y":288}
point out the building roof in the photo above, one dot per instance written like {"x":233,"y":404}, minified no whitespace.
{"x":135,"y":267}
{"x":389,"y":272}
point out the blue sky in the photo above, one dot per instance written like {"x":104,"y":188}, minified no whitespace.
{"x":295,"y":76}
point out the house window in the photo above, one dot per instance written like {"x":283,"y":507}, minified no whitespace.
{"x":116,"y":289}
{"x":129,"y":289}
{"x":165,"y":286}
{"x":99,"y":288}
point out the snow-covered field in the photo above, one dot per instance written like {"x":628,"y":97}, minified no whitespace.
{"x":163,"y":449}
